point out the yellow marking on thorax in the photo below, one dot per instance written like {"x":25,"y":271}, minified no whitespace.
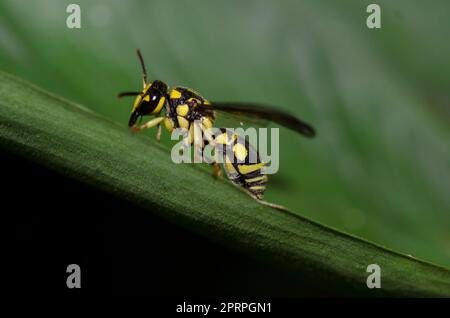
{"x":246,"y":169}
{"x":174,"y":94}
{"x":240,"y":152}
{"x":182,"y":110}
{"x":193,"y":99}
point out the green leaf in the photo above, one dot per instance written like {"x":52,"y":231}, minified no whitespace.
{"x":80,"y":144}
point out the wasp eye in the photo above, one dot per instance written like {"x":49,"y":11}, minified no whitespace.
{"x":154,"y":97}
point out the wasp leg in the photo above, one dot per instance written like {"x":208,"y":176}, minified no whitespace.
{"x":217,"y":171}
{"x":150,"y":124}
{"x":187,"y":138}
{"x":197,"y":137}
{"x":158,"y":132}
{"x":214,"y":161}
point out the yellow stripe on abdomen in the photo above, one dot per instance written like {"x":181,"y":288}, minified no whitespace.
{"x":256,"y":179}
{"x":259,"y":187}
{"x":246,"y":169}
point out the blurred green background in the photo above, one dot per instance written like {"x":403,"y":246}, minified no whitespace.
{"x":380,"y":166}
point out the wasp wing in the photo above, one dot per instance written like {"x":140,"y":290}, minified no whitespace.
{"x":262,"y":113}
{"x":226,"y":119}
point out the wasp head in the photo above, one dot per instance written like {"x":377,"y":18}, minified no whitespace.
{"x":149,"y":102}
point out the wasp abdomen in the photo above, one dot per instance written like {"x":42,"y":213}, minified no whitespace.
{"x":242,"y":162}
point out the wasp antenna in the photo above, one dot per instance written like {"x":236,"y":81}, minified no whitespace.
{"x":124,"y":94}
{"x":144,"y":71}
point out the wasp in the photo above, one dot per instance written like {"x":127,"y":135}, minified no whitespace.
{"x":181,"y":107}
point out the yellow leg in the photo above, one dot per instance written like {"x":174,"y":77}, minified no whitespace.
{"x":151,"y":123}
{"x":158,"y":132}
{"x":187,"y":138}
{"x":217,"y":171}
{"x":198,"y":141}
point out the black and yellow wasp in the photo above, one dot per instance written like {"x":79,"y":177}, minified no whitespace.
{"x":181,"y":107}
